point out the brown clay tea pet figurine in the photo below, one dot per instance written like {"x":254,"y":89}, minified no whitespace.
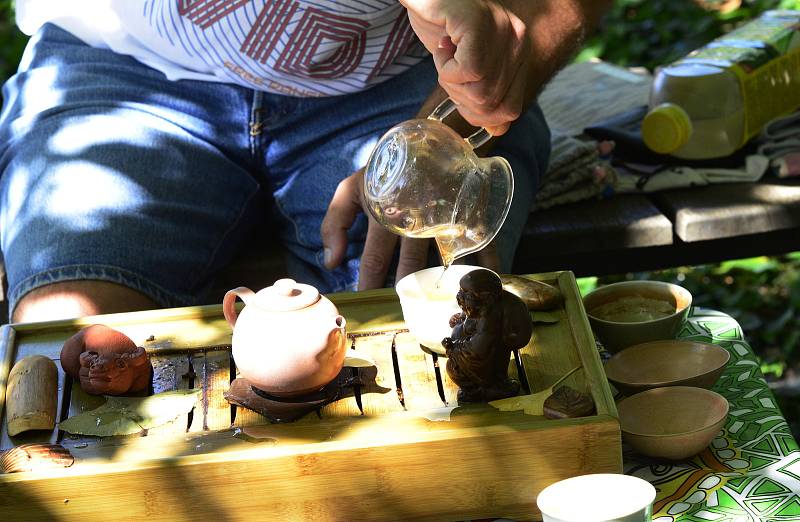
{"x":106,"y":362}
{"x":493,"y":323}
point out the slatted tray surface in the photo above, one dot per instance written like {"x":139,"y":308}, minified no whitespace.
{"x":400,"y":433}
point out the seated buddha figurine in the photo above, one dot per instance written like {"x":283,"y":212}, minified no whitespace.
{"x":492,"y":324}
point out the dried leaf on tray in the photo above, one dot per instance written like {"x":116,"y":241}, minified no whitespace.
{"x":568,"y":403}
{"x":532,"y":404}
{"x":128,"y":415}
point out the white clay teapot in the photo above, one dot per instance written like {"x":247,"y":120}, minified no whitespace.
{"x":288,"y":339}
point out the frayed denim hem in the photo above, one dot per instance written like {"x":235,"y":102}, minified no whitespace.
{"x":111,"y":274}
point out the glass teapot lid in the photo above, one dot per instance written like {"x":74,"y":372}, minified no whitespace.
{"x":423,"y":180}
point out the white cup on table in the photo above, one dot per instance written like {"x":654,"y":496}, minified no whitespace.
{"x":599,"y":497}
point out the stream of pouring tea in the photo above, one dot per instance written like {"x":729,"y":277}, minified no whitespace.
{"x":451,"y":240}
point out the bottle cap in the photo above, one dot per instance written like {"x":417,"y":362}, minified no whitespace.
{"x":666,"y":128}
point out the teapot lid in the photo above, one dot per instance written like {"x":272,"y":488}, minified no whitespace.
{"x":286,"y":295}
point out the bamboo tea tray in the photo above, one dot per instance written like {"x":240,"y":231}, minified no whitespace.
{"x":397,"y":448}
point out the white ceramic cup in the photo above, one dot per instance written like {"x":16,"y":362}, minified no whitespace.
{"x":599,"y":497}
{"x":428,"y":300}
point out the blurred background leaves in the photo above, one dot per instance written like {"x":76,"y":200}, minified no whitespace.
{"x":12,"y":41}
{"x":649,"y":33}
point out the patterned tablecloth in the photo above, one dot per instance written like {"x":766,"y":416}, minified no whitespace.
{"x":751,"y":470}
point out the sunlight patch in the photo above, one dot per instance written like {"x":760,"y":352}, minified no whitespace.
{"x":84,"y":195}
{"x":96,"y":130}
{"x":362,"y":153}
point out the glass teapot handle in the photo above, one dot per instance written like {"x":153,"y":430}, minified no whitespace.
{"x":447,"y":106}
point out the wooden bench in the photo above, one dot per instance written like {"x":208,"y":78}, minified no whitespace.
{"x":690,"y":226}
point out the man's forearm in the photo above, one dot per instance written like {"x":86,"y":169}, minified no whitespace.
{"x":556,"y":30}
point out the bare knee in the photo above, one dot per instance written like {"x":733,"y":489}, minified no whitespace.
{"x":78,"y":299}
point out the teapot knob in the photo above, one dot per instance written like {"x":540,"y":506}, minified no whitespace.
{"x":285,"y":287}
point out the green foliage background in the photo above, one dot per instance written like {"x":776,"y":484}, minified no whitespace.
{"x":649,"y":33}
{"x":12,"y":41}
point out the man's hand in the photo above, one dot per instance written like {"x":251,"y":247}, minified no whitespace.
{"x":380,"y":244}
{"x":494,"y":56}
{"x":479,"y":48}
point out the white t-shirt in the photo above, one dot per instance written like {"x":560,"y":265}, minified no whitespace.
{"x":293,"y":47}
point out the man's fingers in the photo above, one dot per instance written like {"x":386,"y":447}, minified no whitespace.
{"x":413,"y":256}
{"x":452,"y":70}
{"x":491,"y":121}
{"x":342,"y":211}
{"x":377,"y":256}
{"x":494,"y":117}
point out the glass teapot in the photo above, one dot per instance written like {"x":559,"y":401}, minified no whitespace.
{"x":423,"y":180}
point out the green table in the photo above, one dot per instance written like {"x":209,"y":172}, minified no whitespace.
{"x":751,"y":470}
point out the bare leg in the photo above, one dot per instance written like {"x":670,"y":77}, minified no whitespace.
{"x":77,"y":299}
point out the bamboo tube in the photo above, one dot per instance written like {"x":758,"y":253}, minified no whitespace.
{"x":32,"y":396}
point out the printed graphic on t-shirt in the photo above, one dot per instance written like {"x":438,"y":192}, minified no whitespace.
{"x":296,"y":47}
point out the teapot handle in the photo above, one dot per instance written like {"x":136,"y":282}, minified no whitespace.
{"x":447,"y":106}
{"x":229,"y":302}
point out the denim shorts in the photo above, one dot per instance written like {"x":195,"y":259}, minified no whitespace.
{"x":111,"y":172}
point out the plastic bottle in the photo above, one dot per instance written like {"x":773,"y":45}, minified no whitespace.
{"x":710,"y":103}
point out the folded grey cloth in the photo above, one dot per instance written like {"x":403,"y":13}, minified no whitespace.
{"x":576,"y":172}
{"x":780,"y":142}
{"x":677,"y":177}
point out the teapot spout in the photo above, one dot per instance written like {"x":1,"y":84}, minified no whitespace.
{"x":337,"y":335}
{"x":339,"y":324}
{"x":335,"y":348}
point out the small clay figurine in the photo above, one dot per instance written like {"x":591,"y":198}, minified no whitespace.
{"x":106,"y":362}
{"x":492,"y":324}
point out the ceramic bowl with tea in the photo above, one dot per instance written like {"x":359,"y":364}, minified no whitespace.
{"x":428,"y":300}
{"x":675,"y":422}
{"x":666,"y":363}
{"x":633,"y":312}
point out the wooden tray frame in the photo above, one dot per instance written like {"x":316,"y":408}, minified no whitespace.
{"x":386,"y":463}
